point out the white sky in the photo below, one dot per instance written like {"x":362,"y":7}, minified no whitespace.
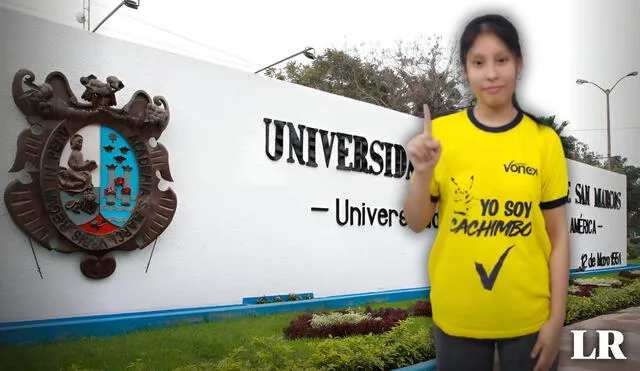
{"x":564,"y":40}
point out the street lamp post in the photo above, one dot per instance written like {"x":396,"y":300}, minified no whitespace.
{"x":307,"y":53}
{"x":128,"y":3}
{"x":607,"y":92}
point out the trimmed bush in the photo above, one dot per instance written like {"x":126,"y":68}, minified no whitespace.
{"x":334,"y":318}
{"x":279,"y":299}
{"x":583,"y":290}
{"x":633,"y":249}
{"x":598,"y":281}
{"x":268,"y":354}
{"x":375,"y":322}
{"x":406,"y":344}
{"x":421,"y":308}
{"x":630,"y":274}
{"x":604,"y":301}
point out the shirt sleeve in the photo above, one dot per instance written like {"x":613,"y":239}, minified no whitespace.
{"x":554,"y":173}
{"x":435,"y":188}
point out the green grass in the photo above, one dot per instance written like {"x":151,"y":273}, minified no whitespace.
{"x":161,"y":349}
{"x":633,"y":261}
{"x":604,"y":275}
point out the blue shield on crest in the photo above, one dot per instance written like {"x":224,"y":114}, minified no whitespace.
{"x":100,"y":183}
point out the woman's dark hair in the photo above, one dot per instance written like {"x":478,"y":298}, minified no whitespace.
{"x":504,"y":30}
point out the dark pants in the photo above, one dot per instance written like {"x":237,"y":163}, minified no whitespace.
{"x":466,"y":354}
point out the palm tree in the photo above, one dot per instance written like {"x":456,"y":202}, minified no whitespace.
{"x":568,"y":141}
{"x":573,"y":148}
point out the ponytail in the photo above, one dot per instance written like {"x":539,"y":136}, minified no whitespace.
{"x":517,"y":106}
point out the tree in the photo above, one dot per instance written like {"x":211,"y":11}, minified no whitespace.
{"x":401,"y":79}
{"x":404,"y":78}
{"x":619,"y":165}
{"x":568,"y":142}
{"x":579,"y":151}
{"x":573,"y":148}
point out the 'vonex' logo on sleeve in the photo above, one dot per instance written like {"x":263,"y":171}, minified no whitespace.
{"x":520,"y":168}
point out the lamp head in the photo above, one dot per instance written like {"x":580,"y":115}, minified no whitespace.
{"x":131,"y":4}
{"x":581,"y":81}
{"x":309,"y":53}
{"x":634,"y":73}
{"x":81,"y":18}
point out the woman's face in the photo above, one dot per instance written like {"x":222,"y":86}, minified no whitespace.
{"x":491,"y":70}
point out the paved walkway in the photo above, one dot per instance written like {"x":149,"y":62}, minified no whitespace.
{"x":626,"y":321}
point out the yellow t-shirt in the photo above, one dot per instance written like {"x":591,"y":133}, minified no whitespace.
{"x":488,"y":266}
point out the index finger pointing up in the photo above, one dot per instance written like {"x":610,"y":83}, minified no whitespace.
{"x":427,"y":119}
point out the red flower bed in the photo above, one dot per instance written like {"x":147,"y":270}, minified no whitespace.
{"x":301,"y":326}
{"x":109,"y":191}
{"x":126,"y":191}
{"x":629,"y":274}
{"x":421,"y":308}
{"x":584,"y":290}
{"x":119,"y":181}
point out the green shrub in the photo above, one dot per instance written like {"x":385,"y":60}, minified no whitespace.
{"x":597,"y":281}
{"x":630,"y":274}
{"x":328,"y":319}
{"x":278,"y":299}
{"x":408,"y":343}
{"x":352,"y":353}
{"x":262,"y":300}
{"x":267,"y":353}
{"x":75,"y":367}
{"x":404,"y":345}
{"x":634,"y":250}
{"x":605,"y":300}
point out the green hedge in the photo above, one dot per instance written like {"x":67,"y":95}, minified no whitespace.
{"x":605,"y":301}
{"x":408,"y":343}
{"x":633,"y":249}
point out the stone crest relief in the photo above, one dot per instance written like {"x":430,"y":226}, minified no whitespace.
{"x":94,"y":169}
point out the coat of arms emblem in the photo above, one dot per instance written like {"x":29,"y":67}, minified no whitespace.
{"x":94,"y":169}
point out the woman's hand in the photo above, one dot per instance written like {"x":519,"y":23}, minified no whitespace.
{"x":424,"y":151}
{"x":548,"y":344}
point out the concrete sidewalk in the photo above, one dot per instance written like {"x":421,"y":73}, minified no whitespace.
{"x":626,"y":321}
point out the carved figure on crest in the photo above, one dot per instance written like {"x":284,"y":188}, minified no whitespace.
{"x":77,"y":177}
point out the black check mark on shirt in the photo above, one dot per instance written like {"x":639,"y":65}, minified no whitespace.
{"x":489,"y":281}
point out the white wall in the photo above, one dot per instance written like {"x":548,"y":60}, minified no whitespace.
{"x":243,"y":225}
{"x":597,"y":217}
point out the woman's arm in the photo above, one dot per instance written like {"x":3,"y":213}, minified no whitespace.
{"x":418,"y":206}
{"x":558,"y":231}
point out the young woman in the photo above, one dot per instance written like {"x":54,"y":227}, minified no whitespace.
{"x":499,"y":265}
